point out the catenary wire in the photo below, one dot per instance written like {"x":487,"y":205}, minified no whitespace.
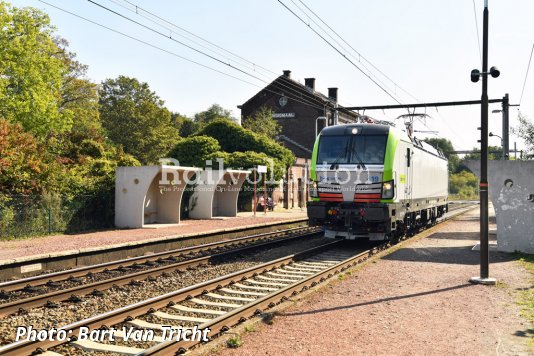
{"x":194,"y":49}
{"x":168,"y":26}
{"x":200,"y":64}
{"x":203,"y":39}
{"x":341,"y":53}
{"x":360,"y":56}
{"x":174,"y":54}
{"x":347,"y":52}
{"x":309,"y":100}
{"x":201,"y":52}
{"x":478,"y":34}
{"x":173,"y":39}
{"x":526,"y":75}
{"x":372,"y":65}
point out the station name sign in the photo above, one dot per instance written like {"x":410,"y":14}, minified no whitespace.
{"x":284,"y":115}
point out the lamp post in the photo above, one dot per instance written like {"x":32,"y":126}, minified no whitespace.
{"x":491,"y":134}
{"x":484,"y":220}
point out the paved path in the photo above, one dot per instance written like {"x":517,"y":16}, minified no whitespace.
{"x":57,"y":243}
{"x":415,"y":301}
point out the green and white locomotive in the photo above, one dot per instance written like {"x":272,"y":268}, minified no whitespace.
{"x":374,"y":181}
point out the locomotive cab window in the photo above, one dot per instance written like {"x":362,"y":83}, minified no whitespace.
{"x":333,"y":149}
{"x":354,"y":149}
{"x":369,"y":149}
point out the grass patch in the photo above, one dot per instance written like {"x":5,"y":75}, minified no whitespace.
{"x":234,"y":342}
{"x":250,"y":328}
{"x":525,"y":298}
{"x":501,"y":285}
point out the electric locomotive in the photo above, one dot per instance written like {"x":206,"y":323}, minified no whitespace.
{"x":374,"y":181}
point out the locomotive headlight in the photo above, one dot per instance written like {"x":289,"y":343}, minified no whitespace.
{"x":313,"y":190}
{"x":388,"y":190}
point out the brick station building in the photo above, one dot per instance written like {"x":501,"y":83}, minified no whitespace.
{"x":302,"y":112}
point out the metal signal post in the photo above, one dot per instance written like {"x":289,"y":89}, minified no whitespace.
{"x":484,"y":220}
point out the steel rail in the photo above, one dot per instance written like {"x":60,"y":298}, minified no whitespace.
{"x":224,"y":322}
{"x":83,"y":271}
{"x":61,"y":295}
{"x":27,"y":347}
{"x":218,"y":324}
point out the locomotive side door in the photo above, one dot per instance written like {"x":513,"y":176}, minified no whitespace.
{"x":408,"y":172}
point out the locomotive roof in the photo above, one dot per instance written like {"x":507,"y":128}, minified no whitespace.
{"x":366,"y":129}
{"x":379,"y":129}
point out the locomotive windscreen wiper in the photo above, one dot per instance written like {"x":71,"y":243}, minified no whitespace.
{"x":341,"y":155}
{"x":360,"y":162}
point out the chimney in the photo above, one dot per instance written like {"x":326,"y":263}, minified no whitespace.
{"x":310,"y":83}
{"x":332,"y":94}
{"x":287,"y":73}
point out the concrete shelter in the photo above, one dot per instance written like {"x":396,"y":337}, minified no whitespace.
{"x":150,"y":194}
{"x":216,"y":194}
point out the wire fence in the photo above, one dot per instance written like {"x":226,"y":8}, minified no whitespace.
{"x":31,"y":215}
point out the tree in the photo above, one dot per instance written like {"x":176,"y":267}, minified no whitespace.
{"x":262,"y":123}
{"x":22,"y":161}
{"x":79,"y":95}
{"x":185,"y":126}
{"x":189,"y":128}
{"x":135,"y":118}
{"x":214,"y":112}
{"x":31,"y":72}
{"x":494,"y":154}
{"x":525,"y":130}
{"x":233,"y":137}
{"x":463,"y":185}
{"x":447,"y":148}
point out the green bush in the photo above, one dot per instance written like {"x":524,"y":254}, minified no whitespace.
{"x":463,"y":185}
{"x":234,"y":138}
{"x":195,"y":150}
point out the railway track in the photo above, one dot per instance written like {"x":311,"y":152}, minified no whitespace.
{"x":214,"y":305}
{"x":133,"y":270}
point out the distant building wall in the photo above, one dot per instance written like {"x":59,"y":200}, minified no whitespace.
{"x":511,"y":190}
{"x":296,"y":108}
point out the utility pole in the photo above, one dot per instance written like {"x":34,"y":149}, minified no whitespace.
{"x":484,"y":220}
{"x":505,"y":127}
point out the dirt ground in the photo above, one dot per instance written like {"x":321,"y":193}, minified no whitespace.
{"x":415,"y":301}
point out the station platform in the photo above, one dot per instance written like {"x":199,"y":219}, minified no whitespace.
{"x":416,"y":300}
{"x":42,"y":248}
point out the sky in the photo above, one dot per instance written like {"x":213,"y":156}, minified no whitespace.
{"x":427,"y":49}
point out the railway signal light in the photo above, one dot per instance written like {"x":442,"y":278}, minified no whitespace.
{"x":475,"y":74}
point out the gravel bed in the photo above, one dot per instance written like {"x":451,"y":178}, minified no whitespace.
{"x":96,"y":277}
{"x":116,"y":297}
